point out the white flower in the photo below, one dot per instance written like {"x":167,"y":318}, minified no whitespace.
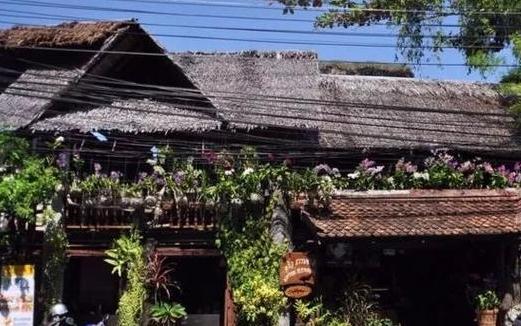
{"x":228,"y":172}
{"x":390,"y":180}
{"x":59,"y":140}
{"x":353,"y":175}
{"x":247,"y":171}
{"x":375,"y":170}
{"x":327,"y":178}
{"x":418,"y":175}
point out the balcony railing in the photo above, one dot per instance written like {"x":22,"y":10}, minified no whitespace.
{"x":191,"y":216}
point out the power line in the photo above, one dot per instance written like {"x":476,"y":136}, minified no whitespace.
{"x":148,"y":12}
{"x":360,"y":9}
{"x":254,"y":97}
{"x":73,"y":100}
{"x":288,"y":42}
{"x":137,"y":53}
{"x":147,"y":23}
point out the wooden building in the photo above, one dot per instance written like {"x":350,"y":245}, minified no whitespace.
{"x":411,"y":245}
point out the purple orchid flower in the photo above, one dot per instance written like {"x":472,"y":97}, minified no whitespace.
{"x":322,"y":169}
{"x":62,"y":161}
{"x":115,"y":175}
{"x":179,"y":177}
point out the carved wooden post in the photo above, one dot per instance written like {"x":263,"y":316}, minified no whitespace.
{"x":281,"y":234}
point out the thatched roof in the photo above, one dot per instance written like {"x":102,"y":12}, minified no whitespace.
{"x":27,"y":98}
{"x":351,"y":111}
{"x":38,"y":83}
{"x":130,"y":115}
{"x":239,"y":83}
{"x":68,"y":35}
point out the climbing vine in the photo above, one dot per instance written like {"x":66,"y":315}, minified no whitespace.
{"x":253,"y":263}
{"x":127,"y":257}
{"x":54,"y":257}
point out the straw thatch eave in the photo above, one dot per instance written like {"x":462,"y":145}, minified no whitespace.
{"x":77,"y":35}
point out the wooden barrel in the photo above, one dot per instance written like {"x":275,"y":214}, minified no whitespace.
{"x":487,"y":317}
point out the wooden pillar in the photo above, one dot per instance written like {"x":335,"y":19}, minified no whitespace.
{"x":229,"y":306}
{"x":509,"y":273}
{"x":514,"y":269}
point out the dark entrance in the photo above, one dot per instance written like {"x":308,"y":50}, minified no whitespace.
{"x":438,"y":287}
{"x":91,"y":290}
{"x":428,"y":282}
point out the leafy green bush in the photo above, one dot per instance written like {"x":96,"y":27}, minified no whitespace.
{"x":487,"y":301}
{"x":168,"y":314}
{"x":314,"y":313}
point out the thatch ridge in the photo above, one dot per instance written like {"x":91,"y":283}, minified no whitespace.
{"x":303,"y":55}
{"x":85,"y":35}
{"x":365,"y":69}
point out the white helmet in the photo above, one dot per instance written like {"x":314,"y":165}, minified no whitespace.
{"x":58,"y":309}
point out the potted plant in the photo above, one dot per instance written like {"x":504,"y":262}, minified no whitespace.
{"x":487,"y":305}
{"x":130,"y":197}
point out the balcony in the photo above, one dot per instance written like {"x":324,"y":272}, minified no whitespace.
{"x":88,"y":216}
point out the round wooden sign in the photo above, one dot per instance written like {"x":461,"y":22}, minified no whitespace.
{"x":298,"y":291}
{"x":296,"y":275}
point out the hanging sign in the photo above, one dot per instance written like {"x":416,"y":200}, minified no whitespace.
{"x":296,"y":275}
{"x":17,"y":295}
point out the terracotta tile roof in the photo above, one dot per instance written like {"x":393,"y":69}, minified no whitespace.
{"x":419,"y":213}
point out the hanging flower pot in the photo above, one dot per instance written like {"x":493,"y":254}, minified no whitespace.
{"x":312,"y":196}
{"x":131,"y":203}
{"x":167,"y":204}
{"x":183,"y":202}
{"x":75,"y":194}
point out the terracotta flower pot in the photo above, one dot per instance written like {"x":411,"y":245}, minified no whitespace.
{"x":487,"y":317}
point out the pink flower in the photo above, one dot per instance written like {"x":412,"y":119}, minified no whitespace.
{"x":209,"y":155}
{"x":366,"y":164}
{"x":517,"y":166}
{"x":466,"y":166}
{"x":512,"y":176}
{"x":402,"y":166}
{"x":488,"y":168}
{"x":503,"y":170}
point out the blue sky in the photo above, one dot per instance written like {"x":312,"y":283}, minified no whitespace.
{"x":171,"y":8}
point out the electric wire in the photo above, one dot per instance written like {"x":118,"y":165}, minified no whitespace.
{"x":378,"y":10}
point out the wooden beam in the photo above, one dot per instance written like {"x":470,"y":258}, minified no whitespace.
{"x":165,"y":251}
{"x":183,"y":252}
{"x":79,"y":252}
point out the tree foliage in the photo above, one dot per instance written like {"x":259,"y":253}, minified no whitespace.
{"x":480,"y":29}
